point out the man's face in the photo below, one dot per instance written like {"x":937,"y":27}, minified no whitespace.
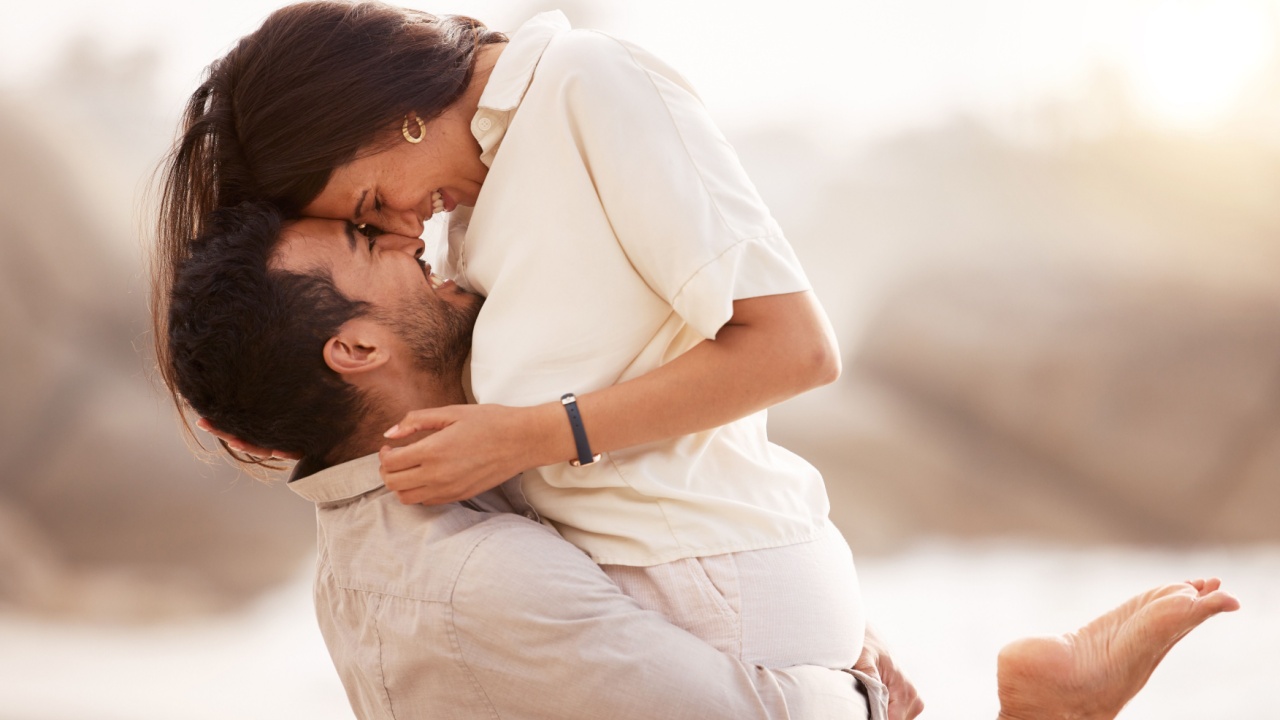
{"x":433,"y":317}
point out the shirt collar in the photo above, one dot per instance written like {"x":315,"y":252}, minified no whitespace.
{"x":358,"y":477}
{"x":514,"y":70}
{"x":510,"y":79}
{"x":337,"y":483}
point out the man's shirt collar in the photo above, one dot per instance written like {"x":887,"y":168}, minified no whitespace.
{"x":351,"y":479}
{"x":335,"y":484}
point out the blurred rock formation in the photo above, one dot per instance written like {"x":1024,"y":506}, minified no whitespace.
{"x":104,"y":512}
{"x":1159,"y":401}
{"x":1072,"y":340}
{"x":1076,"y":342}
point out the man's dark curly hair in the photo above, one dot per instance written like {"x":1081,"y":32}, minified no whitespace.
{"x":245,"y":341}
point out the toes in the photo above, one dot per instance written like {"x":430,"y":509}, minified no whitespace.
{"x":1205,"y":585}
{"x":1216,"y":602}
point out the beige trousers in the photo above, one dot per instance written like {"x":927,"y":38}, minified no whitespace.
{"x":777,"y":607}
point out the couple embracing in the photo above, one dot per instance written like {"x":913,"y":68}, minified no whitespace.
{"x":543,"y":483}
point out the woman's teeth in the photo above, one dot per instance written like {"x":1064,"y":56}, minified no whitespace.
{"x":437,"y":202}
{"x":436,"y":281}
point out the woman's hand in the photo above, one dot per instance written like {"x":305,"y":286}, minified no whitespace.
{"x":240,"y":446}
{"x":469,"y":449}
{"x":904,"y":701}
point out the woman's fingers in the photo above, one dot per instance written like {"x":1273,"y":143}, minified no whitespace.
{"x":397,"y":461}
{"x":455,"y":453}
{"x":229,"y":439}
{"x":414,"y":481}
{"x":406,"y":457}
{"x":409,"y":472}
{"x":419,"y":420}
{"x":241,"y":446}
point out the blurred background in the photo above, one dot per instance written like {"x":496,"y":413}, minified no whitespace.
{"x":1047,"y":233}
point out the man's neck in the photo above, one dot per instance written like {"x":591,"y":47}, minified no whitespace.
{"x":390,"y":403}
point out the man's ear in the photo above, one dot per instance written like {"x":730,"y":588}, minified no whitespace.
{"x":359,"y":347}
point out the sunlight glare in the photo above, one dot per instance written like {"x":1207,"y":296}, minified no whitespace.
{"x":1192,"y":61}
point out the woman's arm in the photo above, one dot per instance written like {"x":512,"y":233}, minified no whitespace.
{"x":773,"y":348}
{"x":692,"y":225}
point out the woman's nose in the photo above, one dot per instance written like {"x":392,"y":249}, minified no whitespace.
{"x":403,"y":222}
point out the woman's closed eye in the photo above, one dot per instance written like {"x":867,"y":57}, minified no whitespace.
{"x":377,"y":207}
{"x":362,"y":209}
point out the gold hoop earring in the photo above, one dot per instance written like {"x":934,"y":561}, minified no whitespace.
{"x":422,"y":130}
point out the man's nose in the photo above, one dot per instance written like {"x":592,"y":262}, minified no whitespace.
{"x":402,"y":243}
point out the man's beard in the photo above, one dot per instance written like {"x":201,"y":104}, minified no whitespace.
{"x":438,"y":338}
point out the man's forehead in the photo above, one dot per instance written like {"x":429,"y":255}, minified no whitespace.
{"x":310,"y":241}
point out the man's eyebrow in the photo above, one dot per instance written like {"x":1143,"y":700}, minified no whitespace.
{"x":351,"y":235}
{"x":355,"y":214}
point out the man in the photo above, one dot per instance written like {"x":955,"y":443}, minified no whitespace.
{"x":311,"y":337}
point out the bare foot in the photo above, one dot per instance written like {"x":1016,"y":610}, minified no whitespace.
{"x":1090,"y":674}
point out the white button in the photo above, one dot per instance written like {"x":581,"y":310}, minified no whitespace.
{"x":484,"y":124}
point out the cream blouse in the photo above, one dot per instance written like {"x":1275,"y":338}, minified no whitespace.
{"x":614,"y":231}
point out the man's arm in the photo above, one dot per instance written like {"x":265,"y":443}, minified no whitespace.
{"x":545,"y":633}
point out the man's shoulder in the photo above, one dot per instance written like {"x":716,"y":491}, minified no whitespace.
{"x":384,"y":601}
{"x":516,"y":546}
{"x":377,"y":545}
{"x":524,"y":570}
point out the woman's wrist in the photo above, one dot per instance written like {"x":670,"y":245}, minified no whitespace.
{"x":551,"y":439}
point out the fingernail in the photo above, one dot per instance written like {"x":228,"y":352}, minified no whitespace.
{"x":394,"y":429}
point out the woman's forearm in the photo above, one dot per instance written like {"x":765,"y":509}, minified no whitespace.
{"x":773,"y":348}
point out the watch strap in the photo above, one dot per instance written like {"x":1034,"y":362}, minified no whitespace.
{"x":585,"y":457}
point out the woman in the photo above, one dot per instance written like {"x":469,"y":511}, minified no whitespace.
{"x":624,"y":256}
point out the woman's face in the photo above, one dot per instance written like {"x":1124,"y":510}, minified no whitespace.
{"x":392,"y":188}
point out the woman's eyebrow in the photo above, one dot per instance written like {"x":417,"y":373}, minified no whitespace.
{"x":355,"y":215}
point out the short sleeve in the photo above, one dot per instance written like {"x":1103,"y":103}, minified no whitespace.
{"x":680,"y":204}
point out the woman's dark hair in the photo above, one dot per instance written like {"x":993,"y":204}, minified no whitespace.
{"x":293,"y":101}
{"x":246,"y":342}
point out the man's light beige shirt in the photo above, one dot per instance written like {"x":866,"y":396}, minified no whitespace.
{"x":463,"y":612}
{"x":614,"y":232}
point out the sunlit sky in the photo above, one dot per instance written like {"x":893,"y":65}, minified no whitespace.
{"x":852,"y":68}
